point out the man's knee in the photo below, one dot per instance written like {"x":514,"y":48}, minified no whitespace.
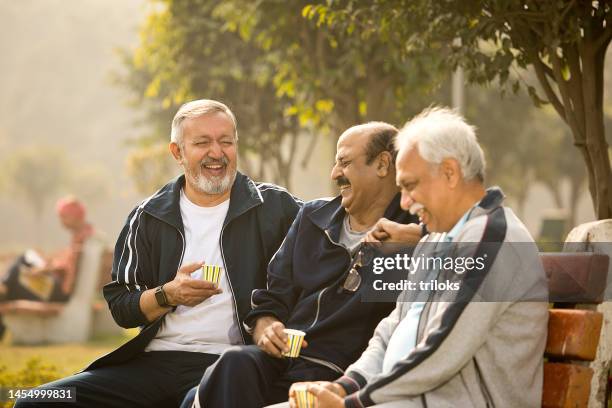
{"x":241,"y":355}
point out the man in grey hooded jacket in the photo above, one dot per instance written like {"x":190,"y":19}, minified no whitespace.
{"x":480,"y":345}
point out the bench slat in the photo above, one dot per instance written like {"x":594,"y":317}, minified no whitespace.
{"x":31,"y":307}
{"x":573,"y":334}
{"x":578,"y":277}
{"x":566,"y":385}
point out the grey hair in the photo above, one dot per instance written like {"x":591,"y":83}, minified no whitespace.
{"x":440,"y":133}
{"x":195,"y":109}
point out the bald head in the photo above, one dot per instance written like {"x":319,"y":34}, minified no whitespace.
{"x":375,"y":137}
{"x":365,"y":170}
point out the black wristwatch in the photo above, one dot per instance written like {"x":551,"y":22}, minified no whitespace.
{"x":161,"y":298}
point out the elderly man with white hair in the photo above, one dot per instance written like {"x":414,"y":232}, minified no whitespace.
{"x":210,"y":218}
{"x":480,"y":345}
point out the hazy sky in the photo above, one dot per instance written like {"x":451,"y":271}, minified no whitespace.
{"x":57,"y":60}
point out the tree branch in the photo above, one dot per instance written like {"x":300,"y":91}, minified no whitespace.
{"x":604,"y":38}
{"x":540,"y":69}
{"x":557,"y":65}
{"x":575,"y":82}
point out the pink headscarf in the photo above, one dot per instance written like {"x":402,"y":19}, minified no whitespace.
{"x":70,"y":206}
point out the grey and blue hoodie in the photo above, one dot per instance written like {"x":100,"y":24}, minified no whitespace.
{"x":469,"y":352}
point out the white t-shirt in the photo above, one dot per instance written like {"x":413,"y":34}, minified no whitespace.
{"x":211,"y":326}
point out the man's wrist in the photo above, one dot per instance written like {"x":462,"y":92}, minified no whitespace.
{"x":339,"y":390}
{"x":260,"y":325}
{"x":162,"y":297}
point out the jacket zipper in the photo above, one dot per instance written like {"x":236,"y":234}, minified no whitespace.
{"x":325,"y":363}
{"x":182,"y":239}
{"x":318,"y":306}
{"x":229,"y":281}
{"x":327,"y":287}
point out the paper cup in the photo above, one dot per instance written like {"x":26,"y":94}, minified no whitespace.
{"x":294,"y":341}
{"x":304,"y":398}
{"x":212,"y":273}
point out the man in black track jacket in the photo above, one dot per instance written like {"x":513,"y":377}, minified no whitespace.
{"x":312,"y":285}
{"x":211,"y":218}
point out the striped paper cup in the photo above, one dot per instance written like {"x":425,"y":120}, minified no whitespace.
{"x":294,"y":341}
{"x":304,"y":398}
{"x":212,"y":273}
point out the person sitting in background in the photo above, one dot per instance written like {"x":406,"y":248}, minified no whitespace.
{"x":34,"y":277}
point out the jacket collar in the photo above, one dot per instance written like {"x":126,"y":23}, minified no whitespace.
{"x":329,"y":217}
{"x":494,"y":197}
{"x":164,"y":204}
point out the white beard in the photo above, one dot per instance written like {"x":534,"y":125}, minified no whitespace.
{"x":214,"y":185}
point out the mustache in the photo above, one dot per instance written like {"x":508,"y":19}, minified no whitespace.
{"x":342,"y":181}
{"x":208,"y":161}
{"x":415,"y":208}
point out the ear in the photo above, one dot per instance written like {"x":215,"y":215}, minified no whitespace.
{"x":451,"y":171}
{"x":176,"y":152}
{"x":383,"y":164}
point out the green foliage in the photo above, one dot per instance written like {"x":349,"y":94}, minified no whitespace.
{"x":150,"y":166}
{"x":281,"y":70}
{"x":188,"y":51}
{"x":565,"y":43}
{"x":35,"y":373}
{"x":524,"y":145}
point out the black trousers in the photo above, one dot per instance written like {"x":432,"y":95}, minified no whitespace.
{"x":153,"y":379}
{"x":245,"y":376}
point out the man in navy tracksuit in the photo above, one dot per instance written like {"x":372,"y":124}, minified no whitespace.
{"x":314,"y":284}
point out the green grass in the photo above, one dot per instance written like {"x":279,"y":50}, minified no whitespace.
{"x":67,"y":358}
{"x":29,"y":366}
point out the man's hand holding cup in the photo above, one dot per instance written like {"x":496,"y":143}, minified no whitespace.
{"x":272,"y":337}
{"x":187,"y":291}
{"x":324,"y":392}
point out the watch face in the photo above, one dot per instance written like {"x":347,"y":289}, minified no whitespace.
{"x":160,"y":296}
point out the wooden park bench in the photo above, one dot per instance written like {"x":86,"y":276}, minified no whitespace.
{"x":33,"y":322}
{"x":577,"y":281}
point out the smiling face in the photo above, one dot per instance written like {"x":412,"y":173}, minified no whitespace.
{"x":357,"y":180}
{"x":207,"y":153}
{"x":425,"y":190}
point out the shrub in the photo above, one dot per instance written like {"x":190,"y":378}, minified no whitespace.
{"x":35,"y":372}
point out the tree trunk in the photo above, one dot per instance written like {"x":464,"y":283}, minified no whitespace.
{"x":600,"y":183}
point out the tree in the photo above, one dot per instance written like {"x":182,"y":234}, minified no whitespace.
{"x":187,"y":52}
{"x":283,"y":73}
{"x":554,"y":163}
{"x":36,"y":174}
{"x":331,"y":78}
{"x":565,"y":42}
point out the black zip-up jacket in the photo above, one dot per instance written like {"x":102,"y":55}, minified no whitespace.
{"x":305,"y":281}
{"x":151,"y":245}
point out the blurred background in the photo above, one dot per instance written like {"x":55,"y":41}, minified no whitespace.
{"x":89,"y":88}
